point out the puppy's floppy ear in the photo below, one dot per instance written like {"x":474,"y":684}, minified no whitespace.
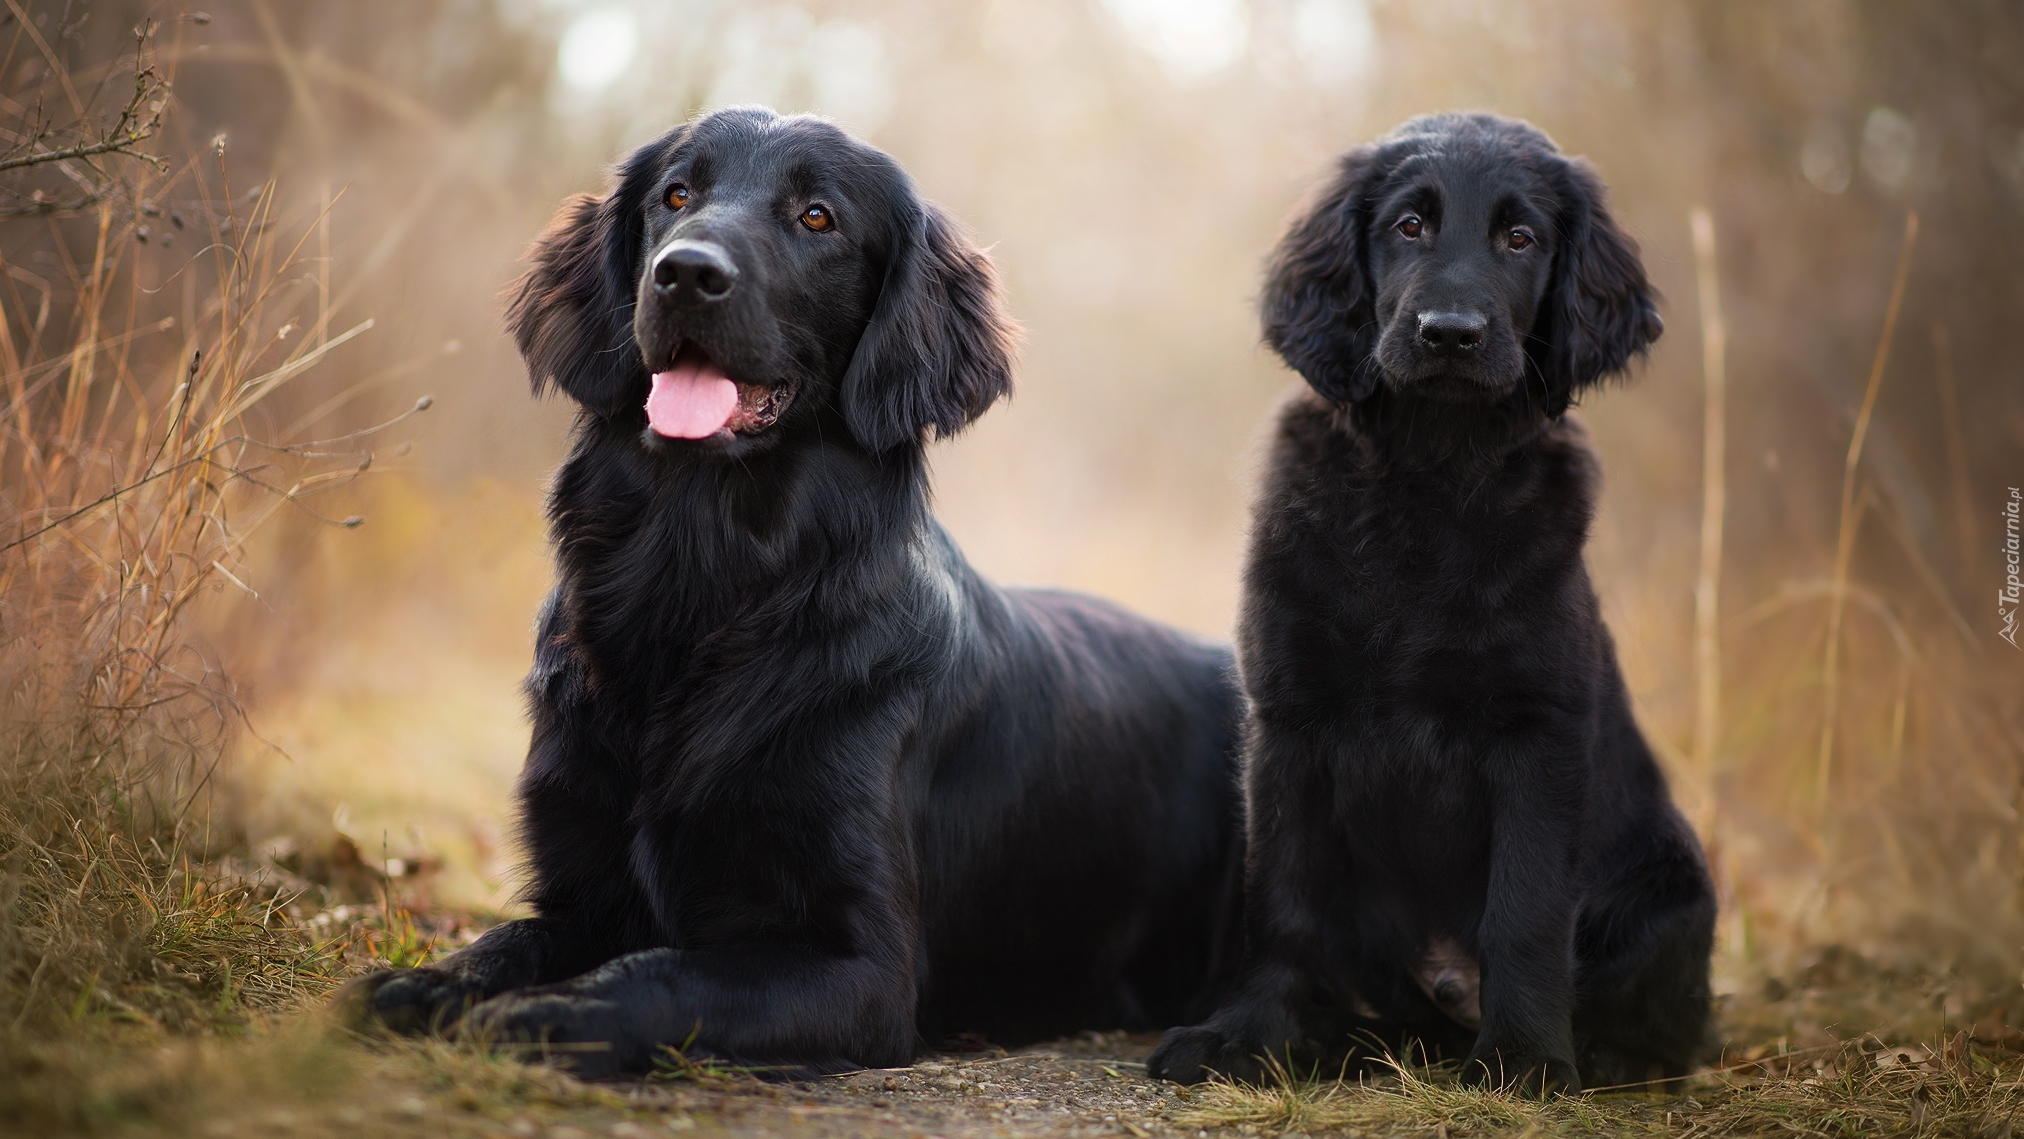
{"x":572,"y":312}
{"x":1319,"y":302}
{"x":1600,"y":311}
{"x":938,"y":350}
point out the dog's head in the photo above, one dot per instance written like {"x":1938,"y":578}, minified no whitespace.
{"x":749,"y":276}
{"x":1462,"y":258}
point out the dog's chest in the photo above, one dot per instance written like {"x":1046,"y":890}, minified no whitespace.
{"x":1405,"y":572}
{"x":1412,"y":609}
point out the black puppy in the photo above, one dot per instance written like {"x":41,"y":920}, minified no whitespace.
{"x":803,"y":788}
{"x":1457,"y":835}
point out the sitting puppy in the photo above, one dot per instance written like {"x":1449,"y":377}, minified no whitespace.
{"x":1457,"y":835}
{"x":804,"y":790}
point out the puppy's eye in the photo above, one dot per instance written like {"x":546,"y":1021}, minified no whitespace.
{"x":1409,"y":226}
{"x":817,"y":218}
{"x":678,"y":196}
{"x":1519,"y":238}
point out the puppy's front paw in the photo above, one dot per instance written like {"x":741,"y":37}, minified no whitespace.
{"x":407,"y":1001}
{"x":1520,"y":1070}
{"x":1191,"y":1055}
{"x":586,"y":1034}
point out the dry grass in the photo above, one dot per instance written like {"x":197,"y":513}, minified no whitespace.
{"x":1403,"y":1097}
{"x":132,"y":380}
{"x":150,"y":963}
{"x":92,"y":1084}
{"x":1955,"y":1087}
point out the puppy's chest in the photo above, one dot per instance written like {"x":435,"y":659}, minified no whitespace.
{"x":1391,"y":558}
{"x":1413,"y":617}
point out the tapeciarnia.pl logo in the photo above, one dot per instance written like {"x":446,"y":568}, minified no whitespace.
{"x":2012,"y":593}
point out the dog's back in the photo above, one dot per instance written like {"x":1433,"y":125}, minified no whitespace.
{"x":1081,"y":826}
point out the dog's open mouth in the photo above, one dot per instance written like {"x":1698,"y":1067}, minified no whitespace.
{"x":694,"y":399}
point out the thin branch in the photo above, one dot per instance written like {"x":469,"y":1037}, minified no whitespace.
{"x":117,"y":145}
{"x":139,"y":120}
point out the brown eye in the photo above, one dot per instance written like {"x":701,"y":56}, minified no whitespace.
{"x":678,"y":196}
{"x":817,"y":218}
{"x":1410,"y":226}
{"x":1519,"y":238}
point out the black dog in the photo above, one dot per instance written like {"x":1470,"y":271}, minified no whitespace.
{"x":803,"y":789}
{"x":1457,"y":835}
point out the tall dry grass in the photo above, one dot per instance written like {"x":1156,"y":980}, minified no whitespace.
{"x":1867,"y":797}
{"x":147,"y":320}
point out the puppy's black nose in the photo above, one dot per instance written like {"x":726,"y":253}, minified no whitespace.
{"x":691,"y":273}
{"x":1452,"y":333}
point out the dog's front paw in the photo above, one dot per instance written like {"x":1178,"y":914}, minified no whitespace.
{"x":407,"y":1001}
{"x":1521,"y":1070}
{"x":586,"y":1034}
{"x":1191,"y":1055}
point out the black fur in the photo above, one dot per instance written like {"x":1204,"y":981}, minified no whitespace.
{"x":1444,"y":785}
{"x":804,"y":790}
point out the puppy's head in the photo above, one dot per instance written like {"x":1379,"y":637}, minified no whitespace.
{"x":1461,"y":258}
{"x":750,"y":275}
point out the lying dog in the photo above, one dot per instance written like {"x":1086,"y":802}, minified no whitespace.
{"x":804,"y":790}
{"x":1457,"y":834}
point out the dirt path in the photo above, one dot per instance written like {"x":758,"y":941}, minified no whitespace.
{"x":1094,"y":1085}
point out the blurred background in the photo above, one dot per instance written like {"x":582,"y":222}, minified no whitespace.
{"x":1128,"y":163}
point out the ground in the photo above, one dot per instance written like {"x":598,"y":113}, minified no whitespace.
{"x":1091,"y":1086}
{"x":292,"y":1080}
{"x":1841,"y":1045}
{"x":1094,"y":1085}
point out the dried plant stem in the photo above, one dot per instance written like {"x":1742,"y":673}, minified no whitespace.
{"x":1714,"y":504}
{"x":1844,"y":548}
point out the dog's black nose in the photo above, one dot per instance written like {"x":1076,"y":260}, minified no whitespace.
{"x":694,"y":273}
{"x":1452,"y":333}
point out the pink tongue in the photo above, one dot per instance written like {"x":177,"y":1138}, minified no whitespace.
{"x":691,"y":401}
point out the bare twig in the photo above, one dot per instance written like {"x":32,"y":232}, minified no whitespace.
{"x":69,"y":147}
{"x":117,"y":144}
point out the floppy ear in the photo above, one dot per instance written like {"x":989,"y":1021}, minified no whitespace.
{"x":1319,"y":304}
{"x":572,"y":312}
{"x":1600,"y":310}
{"x":938,"y":350}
